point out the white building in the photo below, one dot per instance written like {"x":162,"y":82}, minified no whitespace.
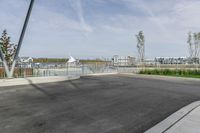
{"x":25,"y":62}
{"x":149,"y":62}
{"x":171,"y":60}
{"x":123,"y":60}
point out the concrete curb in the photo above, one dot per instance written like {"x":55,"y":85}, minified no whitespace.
{"x":170,"y":121}
{"x":101,"y":74}
{"x":160,"y":77}
{"x":35,"y":80}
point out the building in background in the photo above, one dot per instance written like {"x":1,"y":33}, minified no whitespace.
{"x":171,"y":60}
{"x":123,"y":60}
{"x":26,"y":59}
{"x":149,"y":62}
{"x":25,"y":62}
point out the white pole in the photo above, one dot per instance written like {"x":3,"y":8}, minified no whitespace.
{"x":21,"y":38}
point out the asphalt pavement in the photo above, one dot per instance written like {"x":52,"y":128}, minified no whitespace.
{"x":93,"y":104}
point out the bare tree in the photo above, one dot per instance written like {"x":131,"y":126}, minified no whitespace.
{"x":198,"y":45}
{"x":194,"y":46}
{"x":195,"y":37}
{"x":141,"y":46}
{"x":191,"y":49}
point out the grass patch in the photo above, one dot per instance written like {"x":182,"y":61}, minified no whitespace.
{"x":168,"y":72}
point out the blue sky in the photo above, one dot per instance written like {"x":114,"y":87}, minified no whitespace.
{"x":101,"y":28}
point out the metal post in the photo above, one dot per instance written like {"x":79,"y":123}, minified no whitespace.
{"x":4,"y":63}
{"x":21,"y":38}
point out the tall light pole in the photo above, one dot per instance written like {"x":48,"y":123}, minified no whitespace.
{"x":21,"y":38}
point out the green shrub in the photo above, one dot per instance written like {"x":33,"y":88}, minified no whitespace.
{"x":179,"y":72}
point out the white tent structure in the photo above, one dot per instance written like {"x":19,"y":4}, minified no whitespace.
{"x":71,"y":60}
{"x":71,"y":65}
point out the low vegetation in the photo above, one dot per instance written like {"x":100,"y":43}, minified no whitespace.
{"x":19,"y":72}
{"x":63,"y":60}
{"x":49,"y":60}
{"x":174,"y":72}
{"x":92,"y":61}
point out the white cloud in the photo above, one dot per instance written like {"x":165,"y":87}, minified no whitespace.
{"x":51,"y":20}
{"x":77,"y":6}
{"x":165,"y":24}
{"x":187,"y":13}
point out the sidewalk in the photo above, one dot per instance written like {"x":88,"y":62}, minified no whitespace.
{"x":35,"y":80}
{"x":186,"y":120}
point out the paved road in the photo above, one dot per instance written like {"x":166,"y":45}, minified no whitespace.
{"x":101,"y":104}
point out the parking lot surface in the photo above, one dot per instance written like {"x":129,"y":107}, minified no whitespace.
{"x":93,"y":104}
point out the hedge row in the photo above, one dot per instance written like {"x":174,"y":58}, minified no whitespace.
{"x":49,"y":60}
{"x":185,"y":73}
